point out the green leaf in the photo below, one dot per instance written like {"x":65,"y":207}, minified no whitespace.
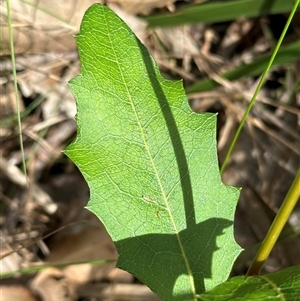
{"x":151,"y":165}
{"x":281,"y":285}
{"x":220,"y":12}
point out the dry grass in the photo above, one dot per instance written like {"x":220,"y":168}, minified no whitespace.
{"x":46,"y":222}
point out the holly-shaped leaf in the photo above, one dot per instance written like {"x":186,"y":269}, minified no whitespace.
{"x":151,"y":164}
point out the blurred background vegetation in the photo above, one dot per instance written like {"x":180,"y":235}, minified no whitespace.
{"x":51,"y":247}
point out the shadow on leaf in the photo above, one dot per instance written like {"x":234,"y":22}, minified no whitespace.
{"x":153,"y":253}
{"x":186,"y":257}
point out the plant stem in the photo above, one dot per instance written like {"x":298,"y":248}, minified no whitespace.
{"x":280,"y":220}
{"x":261,"y":82}
{"x":13,"y":62}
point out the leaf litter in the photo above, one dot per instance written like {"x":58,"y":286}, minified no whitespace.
{"x":264,"y":162}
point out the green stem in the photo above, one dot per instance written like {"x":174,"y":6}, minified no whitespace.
{"x":262,"y":80}
{"x":280,"y":220}
{"x":13,"y":62}
{"x":34,"y":269}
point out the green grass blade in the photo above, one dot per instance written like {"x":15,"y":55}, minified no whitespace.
{"x":287,"y":54}
{"x":49,"y":12}
{"x":9,"y":120}
{"x":35,"y":269}
{"x":220,"y":12}
{"x":260,"y":84}
{"x":13,"y":62}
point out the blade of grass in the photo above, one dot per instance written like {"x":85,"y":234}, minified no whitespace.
{"x":8,"y":120}
{"x":13,"y":62}
{"x":262,"y":80}
{"x":220,"y":12}
{"x":50,"y":13}
{"x":34,"y":269}
{"x":280,"y":220}
{"x":287,"y":54}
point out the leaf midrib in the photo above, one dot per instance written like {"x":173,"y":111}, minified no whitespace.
{"x":165,"y":198}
